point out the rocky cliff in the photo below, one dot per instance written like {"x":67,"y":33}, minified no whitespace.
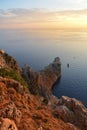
{"x":21,"y":110}
{"x":7,"y":61}
{"x":41,"y":82}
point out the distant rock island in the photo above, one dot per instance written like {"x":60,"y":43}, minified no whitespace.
{"x":27,"y":102}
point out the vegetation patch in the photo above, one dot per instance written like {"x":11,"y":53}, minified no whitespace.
{"x":13,"y":74}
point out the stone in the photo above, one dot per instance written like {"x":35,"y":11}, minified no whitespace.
{"x":11,"y":111}
{"x":7,"y":124}
{"x":71,"y":110}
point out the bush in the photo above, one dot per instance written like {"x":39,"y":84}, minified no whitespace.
{"x":13,"y":74}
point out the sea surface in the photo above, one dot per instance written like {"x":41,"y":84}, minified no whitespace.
{"x":39,"y":47}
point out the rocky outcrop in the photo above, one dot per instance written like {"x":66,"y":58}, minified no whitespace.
{"x":48,"y":76}
{"x":11,"y":83}
{"x":73,"y":111}
{"x":7,"y":61}
{"x":41,"y":82}
{"x":7,"y":124}
{"x":12,"y":112}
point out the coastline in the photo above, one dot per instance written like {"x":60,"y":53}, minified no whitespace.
{"x":38,"y":94}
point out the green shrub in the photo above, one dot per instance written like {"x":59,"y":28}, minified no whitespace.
{"x":13,"y":74}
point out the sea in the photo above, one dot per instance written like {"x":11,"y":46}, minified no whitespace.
{"x":39,"y":47}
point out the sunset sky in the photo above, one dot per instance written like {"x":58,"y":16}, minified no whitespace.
{"x":43,"y":13}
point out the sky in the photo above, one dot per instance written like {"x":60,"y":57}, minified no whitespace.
{"x":43,"y":13}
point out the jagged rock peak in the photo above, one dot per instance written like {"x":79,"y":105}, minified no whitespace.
{"x":57,"y":60}
{"x":7,"y":61}
{"x":55,"y":66}
{"x":2,"y":51}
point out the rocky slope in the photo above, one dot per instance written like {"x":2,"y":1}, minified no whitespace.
{"x":20,"y":110}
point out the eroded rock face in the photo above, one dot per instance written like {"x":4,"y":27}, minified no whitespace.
{"x":41,"y":82}
{"x":11,"y":83}
{"x":12,"y":112}
{"x":7,"y":124}
{"x":73,"y":111}
{"x":7,"y":61}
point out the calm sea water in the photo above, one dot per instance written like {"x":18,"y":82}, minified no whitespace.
{"x":39,"y":47}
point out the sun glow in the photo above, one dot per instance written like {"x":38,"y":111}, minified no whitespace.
{"x":22,"y":18}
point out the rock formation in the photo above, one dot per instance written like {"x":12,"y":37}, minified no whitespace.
{"x":41,"y":82}
{"x":7,"y":124}
{"x":71,"y":110}
{"x":7,"y":61}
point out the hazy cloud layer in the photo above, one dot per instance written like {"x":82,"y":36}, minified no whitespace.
{"x":26,"y":16}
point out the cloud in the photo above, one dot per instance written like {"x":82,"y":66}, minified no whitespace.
{"x":34,"y":17}
{"x":79,"y":1}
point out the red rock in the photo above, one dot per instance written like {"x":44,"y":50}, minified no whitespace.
{"x":73,"y":111}
{"x":7,"y":124}
{"x":26,"y":112}
{"x":42,"y":82}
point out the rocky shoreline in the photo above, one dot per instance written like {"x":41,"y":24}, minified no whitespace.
{"x":27,"y":103}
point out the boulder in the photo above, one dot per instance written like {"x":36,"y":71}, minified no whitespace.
{"x":12,"y":112}
{"x":7,"y":124}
